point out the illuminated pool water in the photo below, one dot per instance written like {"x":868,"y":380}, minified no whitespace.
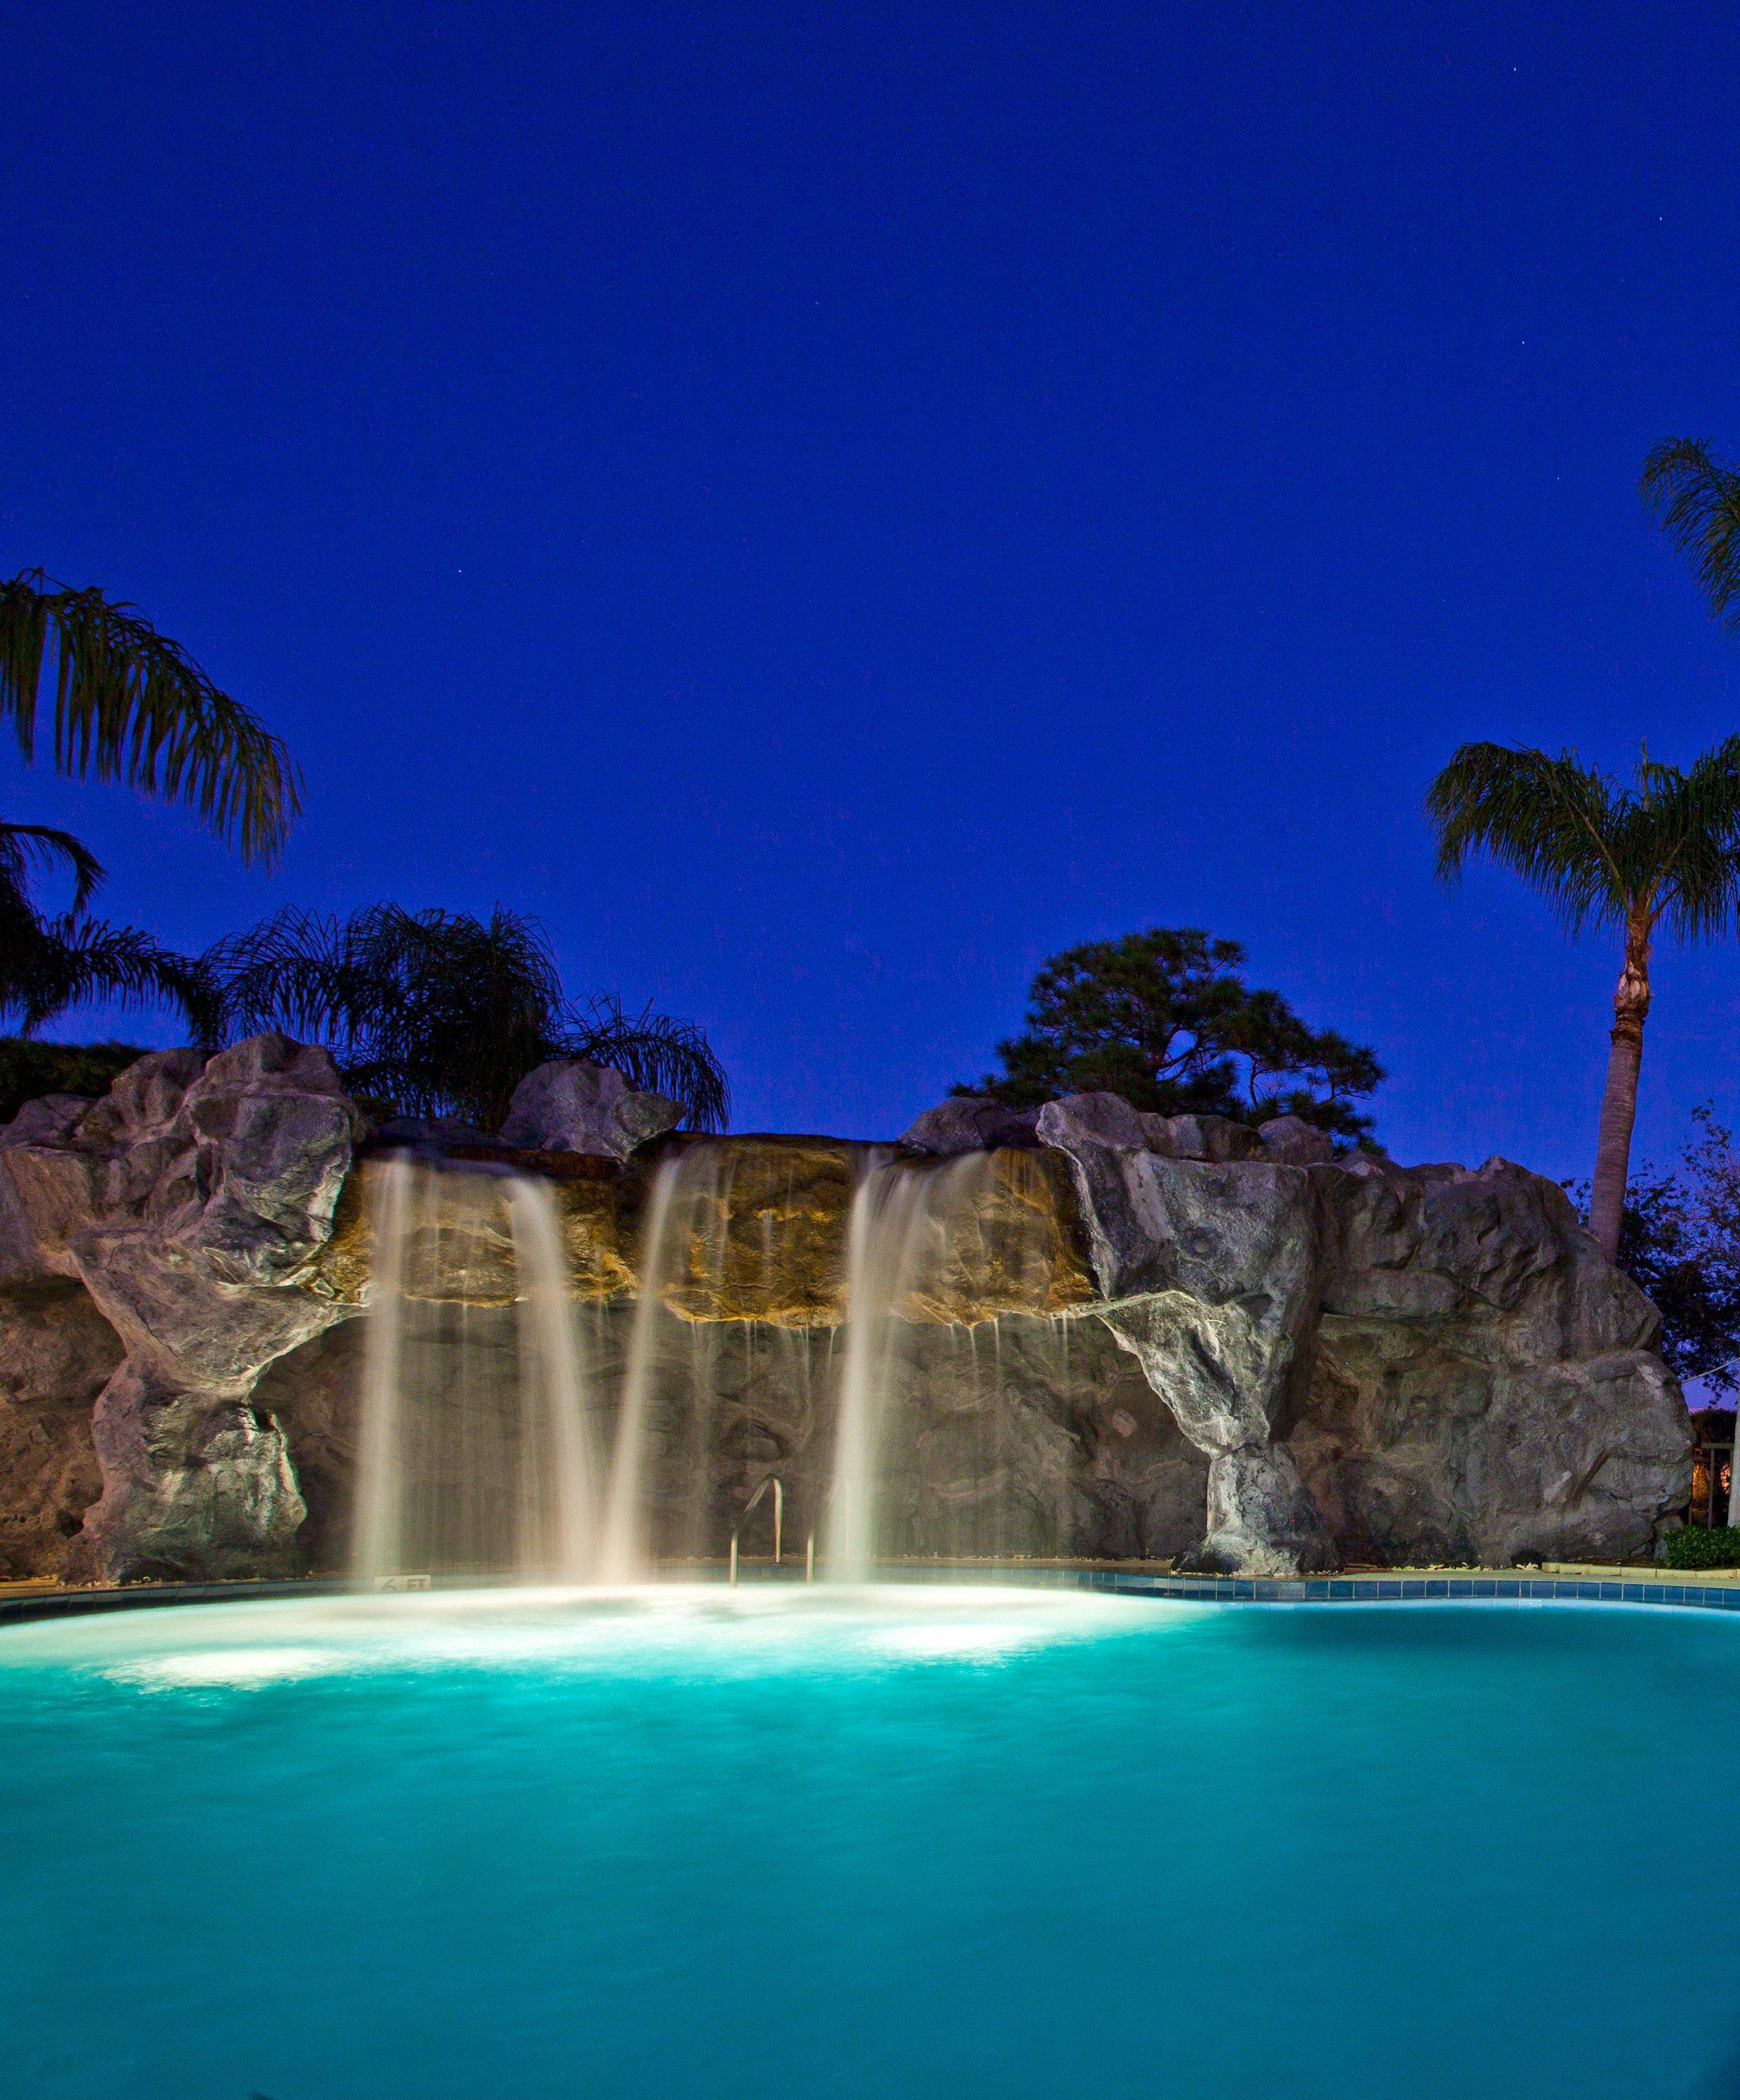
{"x":973,"y":1844}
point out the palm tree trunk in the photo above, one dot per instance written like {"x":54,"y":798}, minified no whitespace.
{"x":1613,"y":1143}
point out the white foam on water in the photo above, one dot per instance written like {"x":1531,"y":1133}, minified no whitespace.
{"x":238,"y":1666}
{"x":688,"y":1631}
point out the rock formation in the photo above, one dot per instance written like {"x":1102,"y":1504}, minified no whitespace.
{"x":189,"y":1204}
{"x":1148,"y":1337}
{"x":568,"y":1105}
{"x":965,"y":1123}
{"x":1434,"y":1365}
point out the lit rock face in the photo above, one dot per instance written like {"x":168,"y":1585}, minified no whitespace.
{"x":762,"y":1228}
{"x":1481,"y":1386}
{"x":190,"y":1204}
{"x":1152,"y":1337}
{"x":963,"y":1124}
{"x":568,"y":1105}
{"x":1213,"y":1270}
{"x":1423,"y":1366}
{"x":759,"y":1228}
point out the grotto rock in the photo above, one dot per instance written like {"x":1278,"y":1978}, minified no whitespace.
{"x":57,"y":1353}
{"x":190,"y":1203}
{"x":568,"y":1105}
{"x":1213,"y":1271}
{"x":963,"y":1123}
{"x":1148,"y":1337}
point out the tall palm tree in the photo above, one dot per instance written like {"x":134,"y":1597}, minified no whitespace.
{"x":130,"y":705}
{"x":443,"y":1014}
{"x":1695,"y":497}
{"x":1663,"y":853}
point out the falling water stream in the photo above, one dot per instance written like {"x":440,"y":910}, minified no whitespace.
{"x":625,"y":1553}
{"x":476,"y":1449}
{"x":897,"y":1245}
{"x":479,"y":1447}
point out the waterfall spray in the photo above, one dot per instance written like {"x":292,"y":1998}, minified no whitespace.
{"x":379,"y":1481}
{"x":475,"y":1442}
{"x":625,"y":1549}
{"x":897,"y":1248}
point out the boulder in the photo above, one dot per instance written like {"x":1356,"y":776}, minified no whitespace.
{"x":568,"y":1105}
{"x":1201,"y":1137}
{"x":1262,"y":1519}
{"x":1290,"y":1141}
{"x":963,"y":1124}
{"x":190,"y":1203}
{"x":1481,"y":1384}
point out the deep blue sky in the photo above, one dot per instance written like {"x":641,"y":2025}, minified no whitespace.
{"x":826,"y":506}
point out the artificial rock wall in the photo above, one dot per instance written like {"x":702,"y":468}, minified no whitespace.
{"x":1140,"y":1338}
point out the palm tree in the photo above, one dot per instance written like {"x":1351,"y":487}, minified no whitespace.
{"x":1665,"y":853}
{"x":443,"y":1014}
{"x":49,"y":964}
{"x":1696,"y":499}
{"x":130,"y":705}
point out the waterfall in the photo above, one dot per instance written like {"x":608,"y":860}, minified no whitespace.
{"x":476,"y":1447}
{"x":900,"y":1256}
{"x":379,"y":1485}
{"x":777,"y":1310}
{"x":551,"y":1381}
{"x":624,"y":1552}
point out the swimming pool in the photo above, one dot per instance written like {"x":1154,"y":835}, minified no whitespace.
{"x":978,"y":1843}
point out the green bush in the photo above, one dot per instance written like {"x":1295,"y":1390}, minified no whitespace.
{"x":28,"y":1069}
{"x":1694,"y":1546}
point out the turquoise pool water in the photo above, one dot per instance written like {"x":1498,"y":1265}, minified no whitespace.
{"x":973,"y":1844}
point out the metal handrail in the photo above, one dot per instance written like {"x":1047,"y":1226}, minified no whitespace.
{"x":771,"y":1481}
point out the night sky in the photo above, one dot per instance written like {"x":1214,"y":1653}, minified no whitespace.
{"x":825,"y":506}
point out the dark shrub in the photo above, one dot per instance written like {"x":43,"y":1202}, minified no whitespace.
{"x":28,"y":1069}
{"x":1694,"y":1546}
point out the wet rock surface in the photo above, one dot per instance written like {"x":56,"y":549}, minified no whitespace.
{"x":1152,"y":1337}
{"x":1215,"y":1273}
{"x":1017,"y":1438}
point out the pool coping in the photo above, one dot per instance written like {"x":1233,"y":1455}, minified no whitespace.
{"x":1498,"y":1586}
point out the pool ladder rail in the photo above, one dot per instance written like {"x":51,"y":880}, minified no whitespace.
{"x":772,"y":1480}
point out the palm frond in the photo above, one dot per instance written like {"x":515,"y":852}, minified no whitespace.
{"x":1549,"y":820}
{"x":22,"y":844}
{"x":292,"y":970}
{"x":658,"y":1054}
{"x":1667,"y":850}
{"x":1689,"y":827}
{"x":131,"y":705}
{"x":444,"y":1013}
{"x":1695,"y":498}
{"x":71,"y":960}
